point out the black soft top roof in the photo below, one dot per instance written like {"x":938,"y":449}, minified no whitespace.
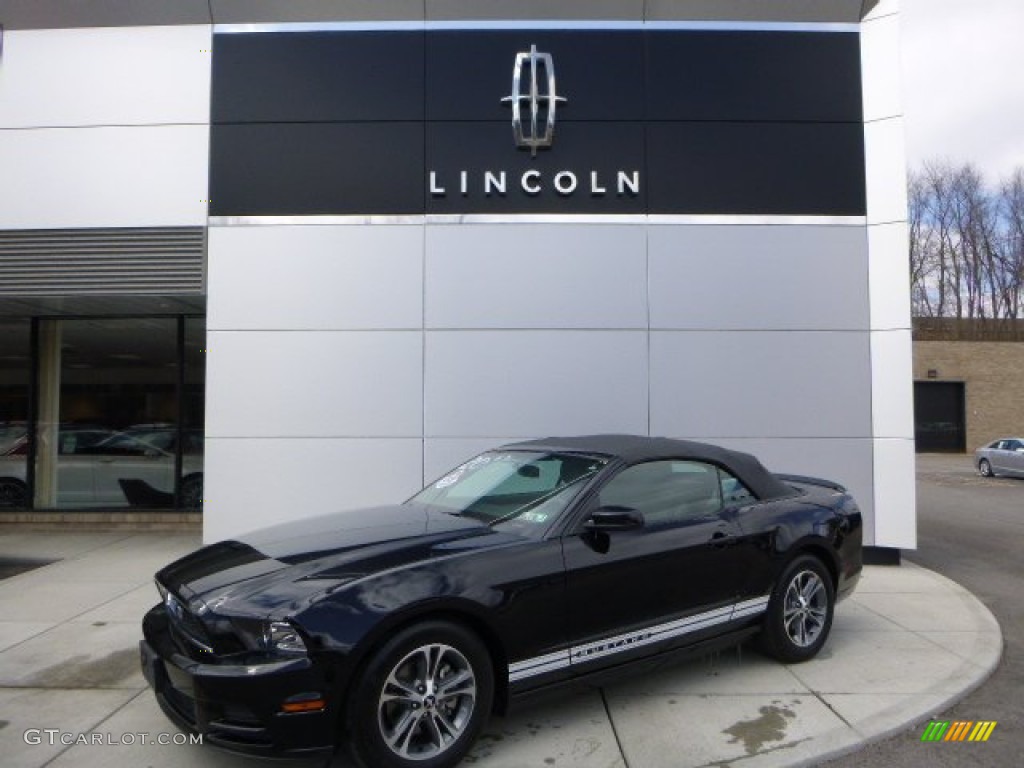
{"x":634,"y":449}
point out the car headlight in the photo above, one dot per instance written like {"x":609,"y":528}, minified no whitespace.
{"x":282,"y":637}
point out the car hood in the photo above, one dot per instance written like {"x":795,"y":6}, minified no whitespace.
{"x":290,"y":564}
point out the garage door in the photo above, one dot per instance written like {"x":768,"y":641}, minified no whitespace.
{"x":939,"y":417}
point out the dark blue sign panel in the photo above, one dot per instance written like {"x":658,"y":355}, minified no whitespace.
{"x":542,"y":121}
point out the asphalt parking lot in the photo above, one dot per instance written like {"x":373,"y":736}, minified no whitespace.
{"x":970,"y":529}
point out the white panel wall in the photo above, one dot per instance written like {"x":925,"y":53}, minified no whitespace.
{"x":104,"y":177}
{"x":104,"y":127}
{"x":880,"y":36}
{"x":888,"y":257}
{"x":893,"y":524}
{"x":886,"y":171}
{"x":463,"y":337}
{"x":314,"y":372}
{"x":105,"y":76}
{"x":366,"y":278}
{"x":535,"y":383}
{"x":717,"y":278}
{"x":554,"y":276}
{"x":892,"y":384}
{"x":314,"y":384}
{"x":251,"y":484}
{"x":760,"y":384}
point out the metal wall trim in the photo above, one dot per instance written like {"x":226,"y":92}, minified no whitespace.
{"x":535,"y":24}
{"x":718,"y":220}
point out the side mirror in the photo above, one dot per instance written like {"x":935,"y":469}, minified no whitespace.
{"x":614,"y":518}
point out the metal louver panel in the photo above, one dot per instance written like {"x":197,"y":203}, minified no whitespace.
{"x":109,"y":262}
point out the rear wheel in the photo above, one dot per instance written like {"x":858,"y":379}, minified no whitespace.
{"x":13,"y":493}
{"x":422,"y":699}
{"x":192,"y":492}
{"x":800,"y":611}
{"x":985,"y":468}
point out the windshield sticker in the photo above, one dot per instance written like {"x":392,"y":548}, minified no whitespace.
{"x":534,"y":517}
{"x":450,"y":479}
{"x":456,"y":474}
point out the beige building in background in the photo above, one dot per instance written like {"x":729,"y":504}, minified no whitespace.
{"x":986,"y":362}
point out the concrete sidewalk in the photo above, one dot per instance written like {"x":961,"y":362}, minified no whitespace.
{"x":905,"y":646}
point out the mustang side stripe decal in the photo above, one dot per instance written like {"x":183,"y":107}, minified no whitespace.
{"x":538,"y":665}
{"x":551,"y":662}
{"x":750,"y":607}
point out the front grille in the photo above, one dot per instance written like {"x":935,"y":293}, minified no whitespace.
{"x":187,"y":630}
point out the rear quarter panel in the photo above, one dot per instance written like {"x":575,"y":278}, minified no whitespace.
{"x":811,"y":523}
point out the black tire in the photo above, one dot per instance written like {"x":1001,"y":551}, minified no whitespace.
{"x":13,"y":493}
{"x":985,"y":468}
{"x":428,"y":726}
{"x":192,"y":492}
{"x":799,"y":612}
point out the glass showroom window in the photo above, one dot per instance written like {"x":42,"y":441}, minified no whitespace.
{"x":193,"y":413}
{"x":15,"y":388}
{"x":118,"y":424}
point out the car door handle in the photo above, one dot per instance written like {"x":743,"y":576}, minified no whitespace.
{"x":720,"y":539}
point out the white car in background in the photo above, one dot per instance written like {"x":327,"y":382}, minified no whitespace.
{"x":98,"y":467}
{"x":1001,"y":457}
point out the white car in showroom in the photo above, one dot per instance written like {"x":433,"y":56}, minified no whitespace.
{"x":100,"y":467}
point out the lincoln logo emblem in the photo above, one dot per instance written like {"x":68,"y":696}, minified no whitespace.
{"x":540,"y":102}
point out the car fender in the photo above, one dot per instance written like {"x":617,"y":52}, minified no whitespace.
{"x":349,"y":655}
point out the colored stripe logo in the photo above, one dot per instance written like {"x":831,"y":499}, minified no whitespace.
{"x":958,"y":730}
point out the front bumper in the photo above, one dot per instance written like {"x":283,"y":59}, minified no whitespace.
{"x":236,"y":706}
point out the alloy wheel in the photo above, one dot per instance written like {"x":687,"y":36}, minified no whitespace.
{"x":805,"y":608}
{"x":426,"y":702}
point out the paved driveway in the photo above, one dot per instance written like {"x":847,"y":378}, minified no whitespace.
{"x":970,"y":529}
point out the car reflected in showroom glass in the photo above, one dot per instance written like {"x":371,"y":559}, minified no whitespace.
{"x":395,"y":632}
{"x":101,"y":467}
{"x":1001,"y":457}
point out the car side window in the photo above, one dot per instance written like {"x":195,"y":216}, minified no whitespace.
{"x":666,"y":492}
{"x":734,"y":492}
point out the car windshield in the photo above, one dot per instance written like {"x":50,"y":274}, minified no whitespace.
{"x":520,"y":488}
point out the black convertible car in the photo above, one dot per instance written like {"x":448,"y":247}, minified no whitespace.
{"x":396,"y":631}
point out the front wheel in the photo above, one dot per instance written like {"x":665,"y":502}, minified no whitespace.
{"x":422,"y":699}
{"x":985,"y":468}
{"x":799,"y":611}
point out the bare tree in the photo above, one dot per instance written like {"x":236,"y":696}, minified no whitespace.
{"x":966,"y":245}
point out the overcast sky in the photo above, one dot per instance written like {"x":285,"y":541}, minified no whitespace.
{"x":963,"y":87}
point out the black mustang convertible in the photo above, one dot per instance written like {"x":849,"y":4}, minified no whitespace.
{"x":397,"y":631}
